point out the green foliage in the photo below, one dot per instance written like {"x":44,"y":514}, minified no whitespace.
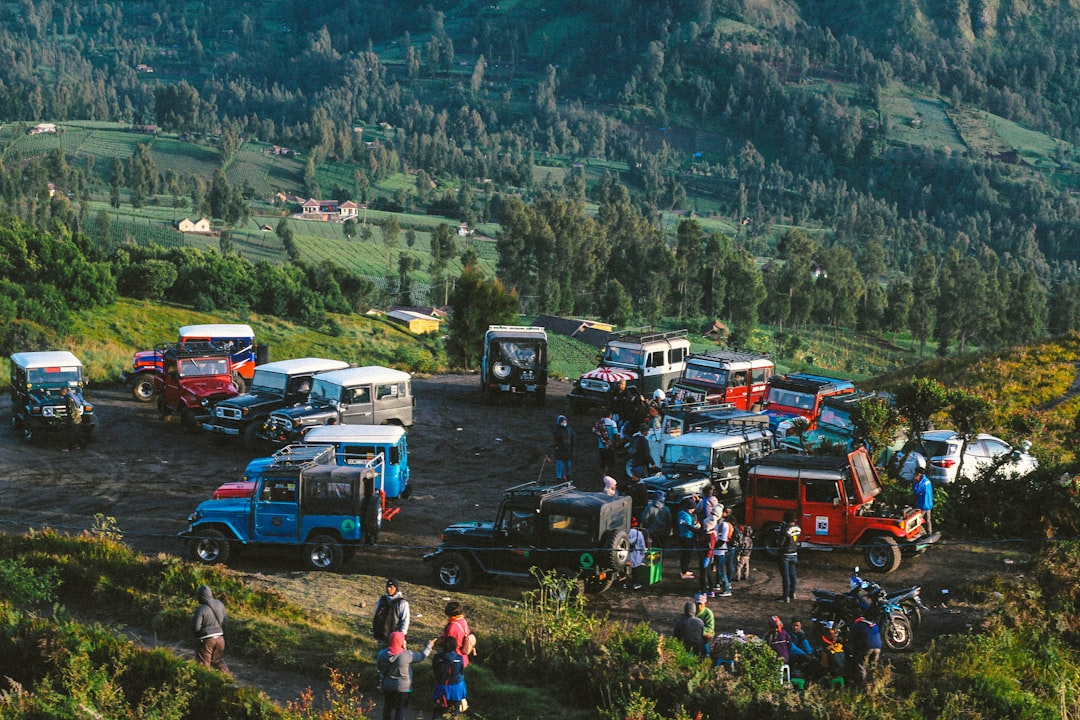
{"x":22,"y":586}
{"x":918,"y":400}
{"x":875,"y":420}
{"x":476,"y":303}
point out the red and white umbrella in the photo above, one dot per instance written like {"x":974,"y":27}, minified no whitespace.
{"x":611,"y":375}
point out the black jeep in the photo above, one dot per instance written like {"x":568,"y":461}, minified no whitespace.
{"x":37,"y":381}
{"x":551,"y":527}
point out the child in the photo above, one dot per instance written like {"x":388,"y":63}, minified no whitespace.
{"x":742,"y":559}
{"x":449,"y":693}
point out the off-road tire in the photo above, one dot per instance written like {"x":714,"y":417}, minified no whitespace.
{"x":209,"y":548}
{"x":240,"y":383}
{"x":453,"y":572}
{"x":324,"y":553}
{"x":883,"y":553}
{"x":595,"y":586}
{"x":142,"y":388}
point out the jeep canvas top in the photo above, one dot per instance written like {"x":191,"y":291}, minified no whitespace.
{"x":799,"y":395}
{"x":50,"y":368}
{"x":724,"y":376}
{"x":515,"y":360}
{"x":648,"y":361}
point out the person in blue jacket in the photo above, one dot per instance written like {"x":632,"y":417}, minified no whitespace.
{"x":924,"y":497}
{"x":865,"y":647}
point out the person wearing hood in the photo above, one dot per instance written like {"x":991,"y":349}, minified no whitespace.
{"x":208,"y":624}
{"x":656,"y":519}
{"x":395,"y":674}
{"x":563,"y":452}
{"x":690,"y":630}
{"x":611,"y":486}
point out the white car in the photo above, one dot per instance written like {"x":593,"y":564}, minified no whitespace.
{"x":946,"y":456}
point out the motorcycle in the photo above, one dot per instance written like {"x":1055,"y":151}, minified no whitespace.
{"x":867,"y":599}
{"x":909,"y":599}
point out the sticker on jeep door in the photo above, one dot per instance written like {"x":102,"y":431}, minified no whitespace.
{"x":821,"y":525}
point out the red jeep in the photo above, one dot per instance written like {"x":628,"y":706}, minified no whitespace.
{"x":835,"y":501}
{"x":197,"y":376}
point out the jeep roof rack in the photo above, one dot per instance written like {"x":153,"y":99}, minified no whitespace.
{"x":729,"y":354}
{"x":197,"y":348}
{"x":517,"y":328}
{"x":535,"y":489}
{"x":646,"y":334}
{"x":300,"y":455}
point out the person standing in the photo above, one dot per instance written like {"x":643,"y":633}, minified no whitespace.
{"x":924,"y":497}
{"x":640,"y":453}
{"x":789,"y":556}
{"x":865,"y":647}
{"x":605,"y":431}
{"x":449,"y":694}
{"x":391,"y":614}
{"x":722,"y":588}
{"x":563,"y":452}
{"x":457,"y":627}
{"x":73,"y":419}
{"x":732,"y":546}
{"x":690,"y":630}
{"x":395,"y":675}
{"x":208,"y":624}
{"x":656,"y":519}
{"x":636,"y":558}
{"x":685,"y":533}
{"x":706,"y":543}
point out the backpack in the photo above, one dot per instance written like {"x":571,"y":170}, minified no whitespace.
{"x":735,"y":540}
{"x":468,"y":643}
{"x":600,"y":430}
{"x":385,"y":619}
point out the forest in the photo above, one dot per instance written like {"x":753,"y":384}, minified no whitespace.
{"x":834,"y":163}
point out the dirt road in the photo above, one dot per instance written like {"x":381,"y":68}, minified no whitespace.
{"x":150,"y":474}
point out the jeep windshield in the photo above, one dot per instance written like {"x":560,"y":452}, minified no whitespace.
{"x":839,"y":420}
{"x":203,"y":367}
{"x":324,"y":393}
{"x":780,"y":397}
{"x":54,"y":376}
{"x":624,"y":356}
{"x":269,"y":383}
{"x":705,"y":375}
{"x":687,"y":455}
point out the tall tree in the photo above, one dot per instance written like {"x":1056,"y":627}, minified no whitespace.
{"x":476,"y":303}
{"x":391,"y":230}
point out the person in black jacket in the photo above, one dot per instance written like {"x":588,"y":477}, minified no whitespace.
{"x":563,"y":452}
{"x":789,"y":556}
{"x":209,"y":627}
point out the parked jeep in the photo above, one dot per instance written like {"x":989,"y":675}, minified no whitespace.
{"x":715,"y":454}
{"x":551,"y":527}
{"x":275,"y":385}
{"x":145,"y":376}
{"x":724,"y":376}
{"x":835,"y":499}
{"x":834,"y":424}
{"x":800,"y":395}
{"x":301,"y":501}
{"x":648,"y":361}
{"x":383,"y":447}
{"x":368,"y":395}
{"x":197,"y":376}
{"x":515,"y":361}
{"x":36,"y":381}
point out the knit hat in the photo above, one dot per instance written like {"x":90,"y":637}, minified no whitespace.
{"x":701,"y":598}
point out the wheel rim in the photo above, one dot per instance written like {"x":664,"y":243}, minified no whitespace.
{"x":143,"y":389}
{"x":878,"y":556}
{"x":208,"y":550}
{"x":450,"y":574}
{"x":322,"y":555}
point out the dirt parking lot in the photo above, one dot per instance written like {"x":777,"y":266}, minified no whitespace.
{"x":149,"y":475}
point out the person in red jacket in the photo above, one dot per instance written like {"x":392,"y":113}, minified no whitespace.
{"x":457,"y":627}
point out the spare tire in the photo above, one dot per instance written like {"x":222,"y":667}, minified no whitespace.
{"x":615,"y":549}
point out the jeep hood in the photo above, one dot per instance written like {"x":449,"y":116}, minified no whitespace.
{"x":307,"y":411}
{"x":462,"y":533}
{"x":208,"y":386}
{"x":252,"y":401}
{"x":223,"y":506}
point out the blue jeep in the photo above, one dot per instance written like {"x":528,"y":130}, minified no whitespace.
{"x":301,"y":500}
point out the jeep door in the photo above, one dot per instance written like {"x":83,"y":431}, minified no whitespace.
{"x":275,"y":510}
{"x":516,"y":536}
{"x":824,"y":516}
{"x":356,"y":407}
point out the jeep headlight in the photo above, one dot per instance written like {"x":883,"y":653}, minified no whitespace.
{"x":48,"y":411}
